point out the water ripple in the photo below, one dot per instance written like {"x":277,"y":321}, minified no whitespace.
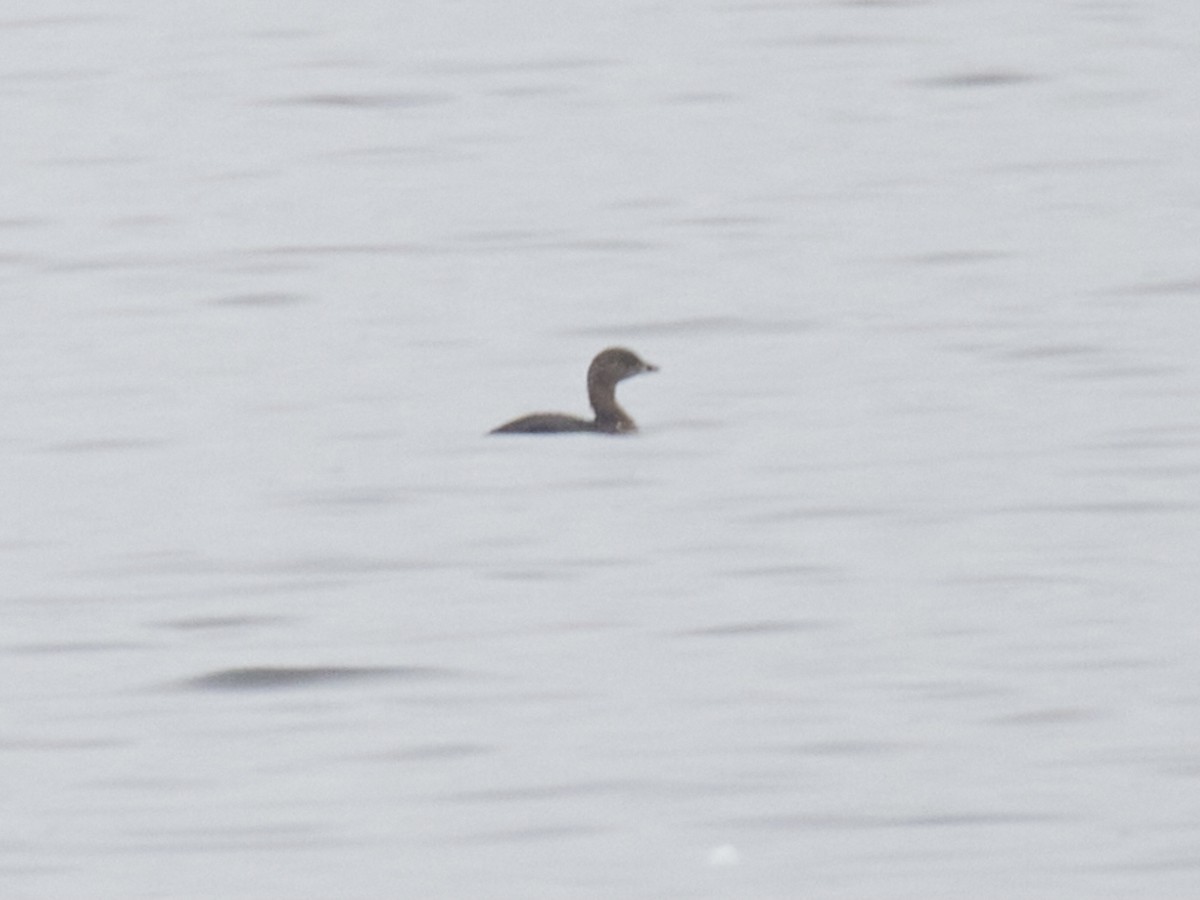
{"x":754,"y":629}
{"x":397,"y":100}
{"x":270,"y":678}
{"x":983,"y":78}
{"x":818,"y":822}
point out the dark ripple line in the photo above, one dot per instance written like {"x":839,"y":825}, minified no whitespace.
{"x":699,"y":325}
{"x":533,"y":833}
{"x":205,"y":623}
{"x":1132,"y":507}
{"x":344,"y":249}
{"x":58,"y":21}
{"x":265,"y":299}
{"x":829,"y":512}
{"x":546,"y":792}
{"x":105,"y":445}
{"x":986,"y":78}
{"x":268,"y":678}
{"x":364,"y":101}
{"x":1179,"y":287}
{"x":754,"y":629}
{"x":549,"y":64}
{"x":76,"y":647}
{"x":955,"y":257}
{"x":935,"y":820}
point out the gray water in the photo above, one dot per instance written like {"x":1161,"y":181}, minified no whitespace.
{"x":892,"y":597}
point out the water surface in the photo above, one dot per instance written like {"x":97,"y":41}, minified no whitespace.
{"x":892,"y":597}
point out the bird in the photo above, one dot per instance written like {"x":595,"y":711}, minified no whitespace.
{"x":609,"y":367}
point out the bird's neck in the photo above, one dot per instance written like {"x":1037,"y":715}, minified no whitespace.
{"x":609,"y":415}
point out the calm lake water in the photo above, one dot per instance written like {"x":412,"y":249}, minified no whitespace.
{"x":894,"y":596}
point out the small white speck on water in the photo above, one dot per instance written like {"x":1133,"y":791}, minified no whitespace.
{"x":725,"y":855}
